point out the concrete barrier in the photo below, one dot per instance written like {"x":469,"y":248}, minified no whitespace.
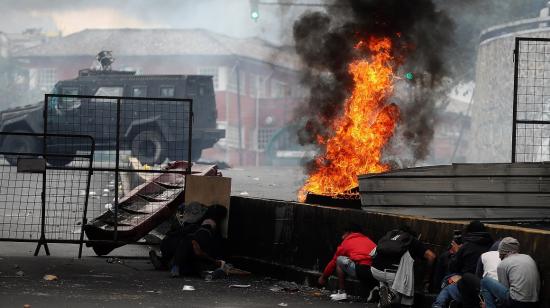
{"x":306,"y":236}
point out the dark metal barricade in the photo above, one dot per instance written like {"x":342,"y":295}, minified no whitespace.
{"x":40,"y":202}
{"x":531,"y":110}
{"x":134,"y":136}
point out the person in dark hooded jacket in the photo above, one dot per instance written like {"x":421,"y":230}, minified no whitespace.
{"x":476,"y":241}
{"x":464,"y":259}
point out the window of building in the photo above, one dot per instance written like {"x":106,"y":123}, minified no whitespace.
{"x":211,"y":71}
{"x":109,"y":91}
{"x":140,"y":91}
{"x":258,"y":86}
{"x":167,"y":91}
{"x":232,"y":136}
{"x":264,"y":136}
{"x":279,"y":89}
{"x":232,"y":82}
{"x":46,"y":79}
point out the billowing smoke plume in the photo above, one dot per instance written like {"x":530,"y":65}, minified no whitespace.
{"x":325,"y":42}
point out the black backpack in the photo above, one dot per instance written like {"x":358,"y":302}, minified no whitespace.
{"x":394,"y":244}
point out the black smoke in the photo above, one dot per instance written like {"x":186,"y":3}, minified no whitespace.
{"x":325,"y":42}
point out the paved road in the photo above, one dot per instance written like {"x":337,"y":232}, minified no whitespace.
{"x":129,"y":281}
{"x":269,"y":182}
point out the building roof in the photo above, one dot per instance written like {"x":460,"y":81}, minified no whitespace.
{"x":148,"y":42}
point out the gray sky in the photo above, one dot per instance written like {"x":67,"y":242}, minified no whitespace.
{"x":230,"y":17}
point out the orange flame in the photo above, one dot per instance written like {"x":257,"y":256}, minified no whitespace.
{"x":362,"y":131}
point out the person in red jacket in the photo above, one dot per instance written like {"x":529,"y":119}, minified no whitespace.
{"x":352,"y":258}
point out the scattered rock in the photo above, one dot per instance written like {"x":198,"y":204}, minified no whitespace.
{"x":285,"y":286}
{"x":240,"y":286}
{"x":188,"y":288}
{"x":50,"y":277}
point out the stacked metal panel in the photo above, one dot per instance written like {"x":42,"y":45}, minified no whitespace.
{"x":499,"y":191}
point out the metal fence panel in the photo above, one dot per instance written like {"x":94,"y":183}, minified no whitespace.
{"x":134,"y":136}
{"x":531,"y":112}
{"x":40,"y":201}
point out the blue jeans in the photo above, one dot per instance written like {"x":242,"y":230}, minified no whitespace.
{"x":446,"y":294}
{"x":492,"y":291}
{"x":347,"y":265}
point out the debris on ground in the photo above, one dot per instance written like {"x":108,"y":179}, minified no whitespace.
{"x":241,"y":286}
{"x":188,"y":288}
{"x":244,"y":193}
{"x":283,"y":304}
{"x":50,"y":277}
{"x":20,"y":273}
{"x":285,"y":286}
{"x":114,"y":260}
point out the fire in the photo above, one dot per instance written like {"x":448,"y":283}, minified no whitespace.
{"x":363,"y":130}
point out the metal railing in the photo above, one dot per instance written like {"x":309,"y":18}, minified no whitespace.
{"x":40,"y":202}
{"x":531,"y":109}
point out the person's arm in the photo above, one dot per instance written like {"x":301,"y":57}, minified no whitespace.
{"x":479,"y":268}
{"x":430,"y":257}
{"x":455,"y":262}
{"x":329,"y":269}
{"x":203,"y":255}
{"x":502,"y":274}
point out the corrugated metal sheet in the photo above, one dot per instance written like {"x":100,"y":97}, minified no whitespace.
{"x":462,"y":191}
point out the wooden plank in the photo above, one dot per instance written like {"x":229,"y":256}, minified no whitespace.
{"x":209,"y":190}
{"x":456,"y":184}
{"x":427,"y":199}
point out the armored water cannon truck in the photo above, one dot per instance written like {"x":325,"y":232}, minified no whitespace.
{"x":151,"y":136}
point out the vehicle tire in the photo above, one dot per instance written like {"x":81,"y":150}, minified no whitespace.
{"x":61,"y":161}
{"x":182,"y":154}
{"x":148,"y":147}
{"x":19,"y":144}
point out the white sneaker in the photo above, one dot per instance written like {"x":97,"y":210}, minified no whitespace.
{"x":340,"y":296}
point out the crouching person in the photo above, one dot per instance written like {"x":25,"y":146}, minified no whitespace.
{"x":353,"y":259}
{"x":197,"y":251}
{"x":518,"y":283}
{"x":393,"y":266}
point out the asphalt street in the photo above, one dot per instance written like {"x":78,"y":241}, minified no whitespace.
{"x":127,"y":279}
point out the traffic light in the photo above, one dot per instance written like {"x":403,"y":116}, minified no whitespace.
{"x":254,"y":10}
{"x":409,"y":76}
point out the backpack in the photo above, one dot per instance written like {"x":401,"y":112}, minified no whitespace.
{"x":394,"y":244}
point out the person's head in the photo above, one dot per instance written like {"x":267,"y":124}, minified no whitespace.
{"x":351,"y":228}
{"x":457,"y":237}
{"x":507,"y":246}
{"x":216,"y":212}
{"x":407,"y":229}
{"x":475,"y":226}
{"x":209,"y":223}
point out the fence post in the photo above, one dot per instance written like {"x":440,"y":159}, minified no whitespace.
{"x":515,"y":108}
